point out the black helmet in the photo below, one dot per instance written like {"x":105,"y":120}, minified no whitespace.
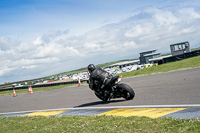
{"x":91,"y":67}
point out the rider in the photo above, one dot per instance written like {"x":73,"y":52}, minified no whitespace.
{"x":99,"y":78}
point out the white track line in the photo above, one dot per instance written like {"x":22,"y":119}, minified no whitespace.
{"x":112,"y":107}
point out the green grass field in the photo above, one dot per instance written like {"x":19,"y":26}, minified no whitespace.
{"x":105,"y":124}
{"x":97,"y":124}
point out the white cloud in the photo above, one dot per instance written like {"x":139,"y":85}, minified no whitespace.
{"x":5,"y":70}
{"x":91,"y":45}
{"x":38,"y":41}
{"x":187,"y":30}
{"x":7,"y":43}
{"x":164,"y":18}
{"x":130,"y":44}
{"x":139,"y":30}
{"x":46,"y":51}
{"x":58,"y":51}
{"x":188,"y":14}
{"x":29,"y":67}
{"x":73,"y":52}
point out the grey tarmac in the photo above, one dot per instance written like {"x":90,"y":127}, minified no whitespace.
{"x":180,"y":87}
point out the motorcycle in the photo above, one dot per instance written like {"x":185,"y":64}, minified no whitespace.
{"x":115,"y":90}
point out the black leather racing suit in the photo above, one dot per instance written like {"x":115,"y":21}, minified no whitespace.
{"x":99,"y":78}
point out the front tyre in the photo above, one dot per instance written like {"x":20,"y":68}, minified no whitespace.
{"x":126,"y":91}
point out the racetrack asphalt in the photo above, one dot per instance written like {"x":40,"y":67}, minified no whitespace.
{"x":180,"y":87}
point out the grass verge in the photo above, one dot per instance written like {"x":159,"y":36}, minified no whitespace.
{"x":187,"y":63}
{"x":96,"y":124}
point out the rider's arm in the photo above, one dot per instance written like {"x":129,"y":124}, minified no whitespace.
{"x":91,"y":83}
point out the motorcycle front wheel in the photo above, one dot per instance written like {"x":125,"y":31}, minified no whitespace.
{"x":126,"y":91}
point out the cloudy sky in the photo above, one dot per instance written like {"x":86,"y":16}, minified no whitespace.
{"x":40,"y":37}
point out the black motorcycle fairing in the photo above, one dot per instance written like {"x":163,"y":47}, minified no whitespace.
{"x":114,"y":89}
{"x":114,"y":79}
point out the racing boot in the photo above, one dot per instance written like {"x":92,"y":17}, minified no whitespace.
{"x":110,"y":97}
{"x":106,"y":93}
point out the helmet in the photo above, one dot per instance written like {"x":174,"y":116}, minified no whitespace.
{"x":91,"y":67}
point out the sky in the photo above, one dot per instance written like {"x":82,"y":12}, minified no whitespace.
{"x":40,"y":38}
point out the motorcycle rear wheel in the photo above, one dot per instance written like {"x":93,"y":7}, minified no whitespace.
{"x":126,"y":91}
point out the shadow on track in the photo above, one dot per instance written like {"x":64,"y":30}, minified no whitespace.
{"x":98,"y":103}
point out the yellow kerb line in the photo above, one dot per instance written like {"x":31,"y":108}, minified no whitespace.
{"x":148,"y":112}
{"x":46,"y":113}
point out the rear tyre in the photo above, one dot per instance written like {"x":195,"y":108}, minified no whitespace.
{"x":126,"y":91}
{"x":101,"y":97}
